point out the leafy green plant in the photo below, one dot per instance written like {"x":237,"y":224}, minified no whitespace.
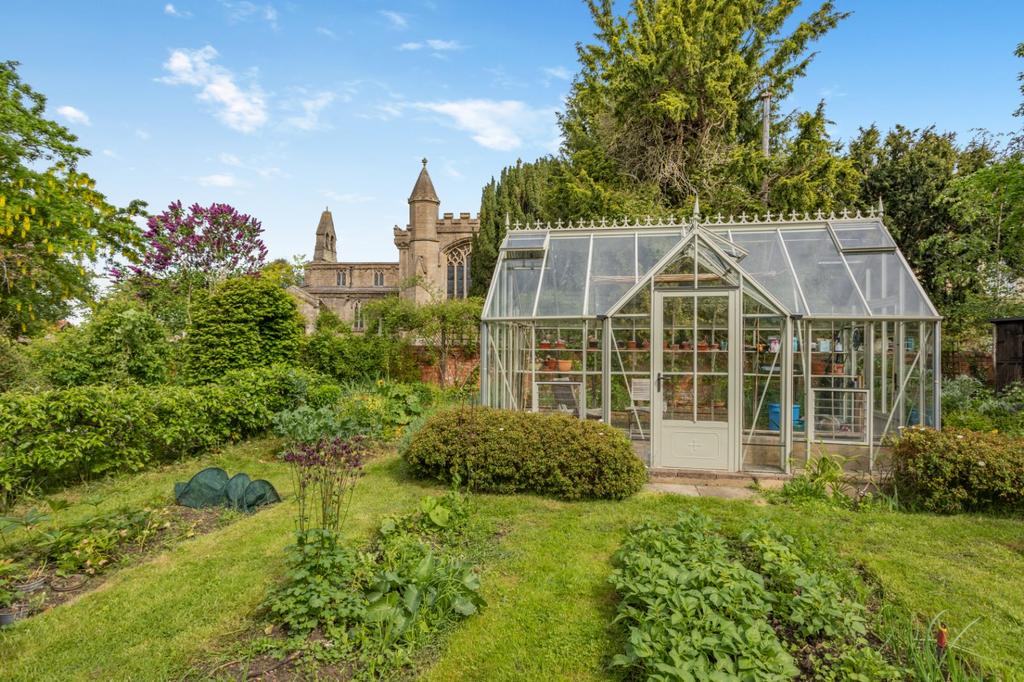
{"x":823,"y":480}
{"x":506,"y":452}
{"x":691,"y":611}
{"x":953,"y":471}
{"x":56,"y":437}
{"x":325,"y":475}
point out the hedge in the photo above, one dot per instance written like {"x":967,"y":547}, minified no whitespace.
{"x":956,"y":470}
{"x":500,"y":451}
{"x":54,"y":438}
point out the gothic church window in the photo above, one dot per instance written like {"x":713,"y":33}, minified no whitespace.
{"x":342,"y":278}
{"x":378,"y":278}
{"x":357,"y":316}
{"x":458,"y":271}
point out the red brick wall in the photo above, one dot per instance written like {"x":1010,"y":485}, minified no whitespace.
{"x":974,"y":363}
{"x":460,"y":369}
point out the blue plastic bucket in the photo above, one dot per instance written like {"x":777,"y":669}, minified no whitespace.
{"x":775,"y":416}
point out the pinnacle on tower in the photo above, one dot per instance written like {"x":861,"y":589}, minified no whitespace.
{"x":325,"y":249}
{"x":423,"y":190}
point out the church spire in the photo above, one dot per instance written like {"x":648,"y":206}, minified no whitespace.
{"x":423,"y":190}
{"x":325,"y":250}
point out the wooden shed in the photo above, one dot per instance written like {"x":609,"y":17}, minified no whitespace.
{"x":1008,"y":351}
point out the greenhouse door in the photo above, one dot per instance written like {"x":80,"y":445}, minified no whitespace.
{"x":693,"y":380}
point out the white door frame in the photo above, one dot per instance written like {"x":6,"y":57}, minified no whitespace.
{"x":734,"y":364}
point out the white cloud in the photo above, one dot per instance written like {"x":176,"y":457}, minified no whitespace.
{"x":230,"y":160}
{"x":433,"y":44}
{"x":221,"y":180}
{"x":396,"y":19}
{"x":243,"y":10}
{"x":73,"y":115}
{"x":110,"y":153}
{"x":347,"y":197}
{"x":324,"y":31}
{"x":243,"y":110}
{"x":311,"y":108}
{"x":502,"y":125}
{"x":142,"y":134}
{"x":171,"y":10}
{"x":451,"y":170}
{"x":559,"y":72}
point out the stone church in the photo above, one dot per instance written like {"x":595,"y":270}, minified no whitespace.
{"x":433,"y":262}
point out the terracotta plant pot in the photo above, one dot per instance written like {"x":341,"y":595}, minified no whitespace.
{"x":550,"y":364}
{"x":817,"y":367}
{"x":631,"y":344}
{"x":714,"y":346}
{"x":560,"y":343}
{"x":702,"y":345}
{"x":838,"y":369}
{"x":686,"y":345}
{"x":675,"y":346}
{"x":564,"y":365}
{"x":545,"y":345}
{"x":646,"y":344}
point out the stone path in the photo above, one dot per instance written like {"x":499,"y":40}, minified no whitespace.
{"x":691,"y":490}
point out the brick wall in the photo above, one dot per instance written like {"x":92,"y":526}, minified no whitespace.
{"x":973,"y":363}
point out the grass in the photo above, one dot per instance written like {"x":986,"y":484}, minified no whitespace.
{"x":549,"y":603}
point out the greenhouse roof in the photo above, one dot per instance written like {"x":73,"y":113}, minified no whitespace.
{"x":846,"y":266}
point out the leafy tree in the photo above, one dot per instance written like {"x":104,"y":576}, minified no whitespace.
{"x":668,"y":94}
{"x":189,"y":251}
{"x":244,"y":322}
{"x":980,"y":260}
{"x":121,"y":343}
{"x":284,"y":273}
{"x":520,"y":194}
{"x":335,"y":351}
{"x":909,"y":170}
{"x":54,"y":226}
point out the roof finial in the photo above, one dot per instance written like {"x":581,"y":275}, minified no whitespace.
{"x":696,"y":205}
{"x":424,"y":159}
{"x":880,"y":210}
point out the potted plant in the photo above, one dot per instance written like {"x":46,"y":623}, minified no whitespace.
{"x":818,"y":366}
{"x":592,"y":341}
{"x":686,"y":345}
{"x":560,"y":343}
{"x":646,"y":344}
{"x":631,"y":344}
{"x":838,"y":367}
{"x":550,"y":363}
{"x":8,"y":611}
{"x":702,"y":344}
{"x":564,"y":365}
{"x":545,"y":343}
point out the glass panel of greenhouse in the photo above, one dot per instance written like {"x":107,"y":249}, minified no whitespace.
{"x":726,"y":345}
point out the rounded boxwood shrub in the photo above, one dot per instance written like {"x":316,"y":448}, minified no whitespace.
{"x":955,"y":470}
{"x":501,"y":451}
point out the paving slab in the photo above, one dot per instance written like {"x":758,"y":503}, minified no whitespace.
{"x":673,"y":488}
{"x":726,"y":493}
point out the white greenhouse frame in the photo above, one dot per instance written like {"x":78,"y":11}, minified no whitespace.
{"x":696,"y":338}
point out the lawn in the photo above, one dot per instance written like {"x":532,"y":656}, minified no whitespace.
{"x":549,"y":605}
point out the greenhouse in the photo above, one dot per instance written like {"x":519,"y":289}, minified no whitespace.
{"x":725,"y":344}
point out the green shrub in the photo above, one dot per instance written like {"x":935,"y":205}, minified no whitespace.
{"x":334,"y":351}
{"x":953,"y":471}
{"x":57,"y":437}
{"x":692,"y":611}
{"x":121,"y":343}
{"x":967,"y":403}
{"x":245,"y":322}
{"x":507,"y":452}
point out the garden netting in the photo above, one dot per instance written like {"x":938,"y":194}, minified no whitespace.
{"x":212,"y":487}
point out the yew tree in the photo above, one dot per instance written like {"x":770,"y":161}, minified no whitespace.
{"x":55,"y":227}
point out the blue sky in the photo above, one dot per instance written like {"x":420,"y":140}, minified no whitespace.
{"x":282,"y":108}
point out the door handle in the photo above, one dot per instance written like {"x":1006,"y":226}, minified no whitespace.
{"x":660,"y":377}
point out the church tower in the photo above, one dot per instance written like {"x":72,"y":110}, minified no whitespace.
{"x":423,"y":249}
{"x":325,"y":250}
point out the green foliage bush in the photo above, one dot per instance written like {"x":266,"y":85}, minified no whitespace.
{"x":57,"y":437}
{"x":378,"y":410}
{"x":378,"y":606}
{"x":245,"y":322}
{"x":121,"y":343}
{"x":955,"y":470}
{"x":692,"y":611}
{"x":334,"y":351}
{"x":967,"y":403}
{"x":507,"y":452}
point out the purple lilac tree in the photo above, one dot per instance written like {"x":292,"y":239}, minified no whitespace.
{"x":196,"y":249}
